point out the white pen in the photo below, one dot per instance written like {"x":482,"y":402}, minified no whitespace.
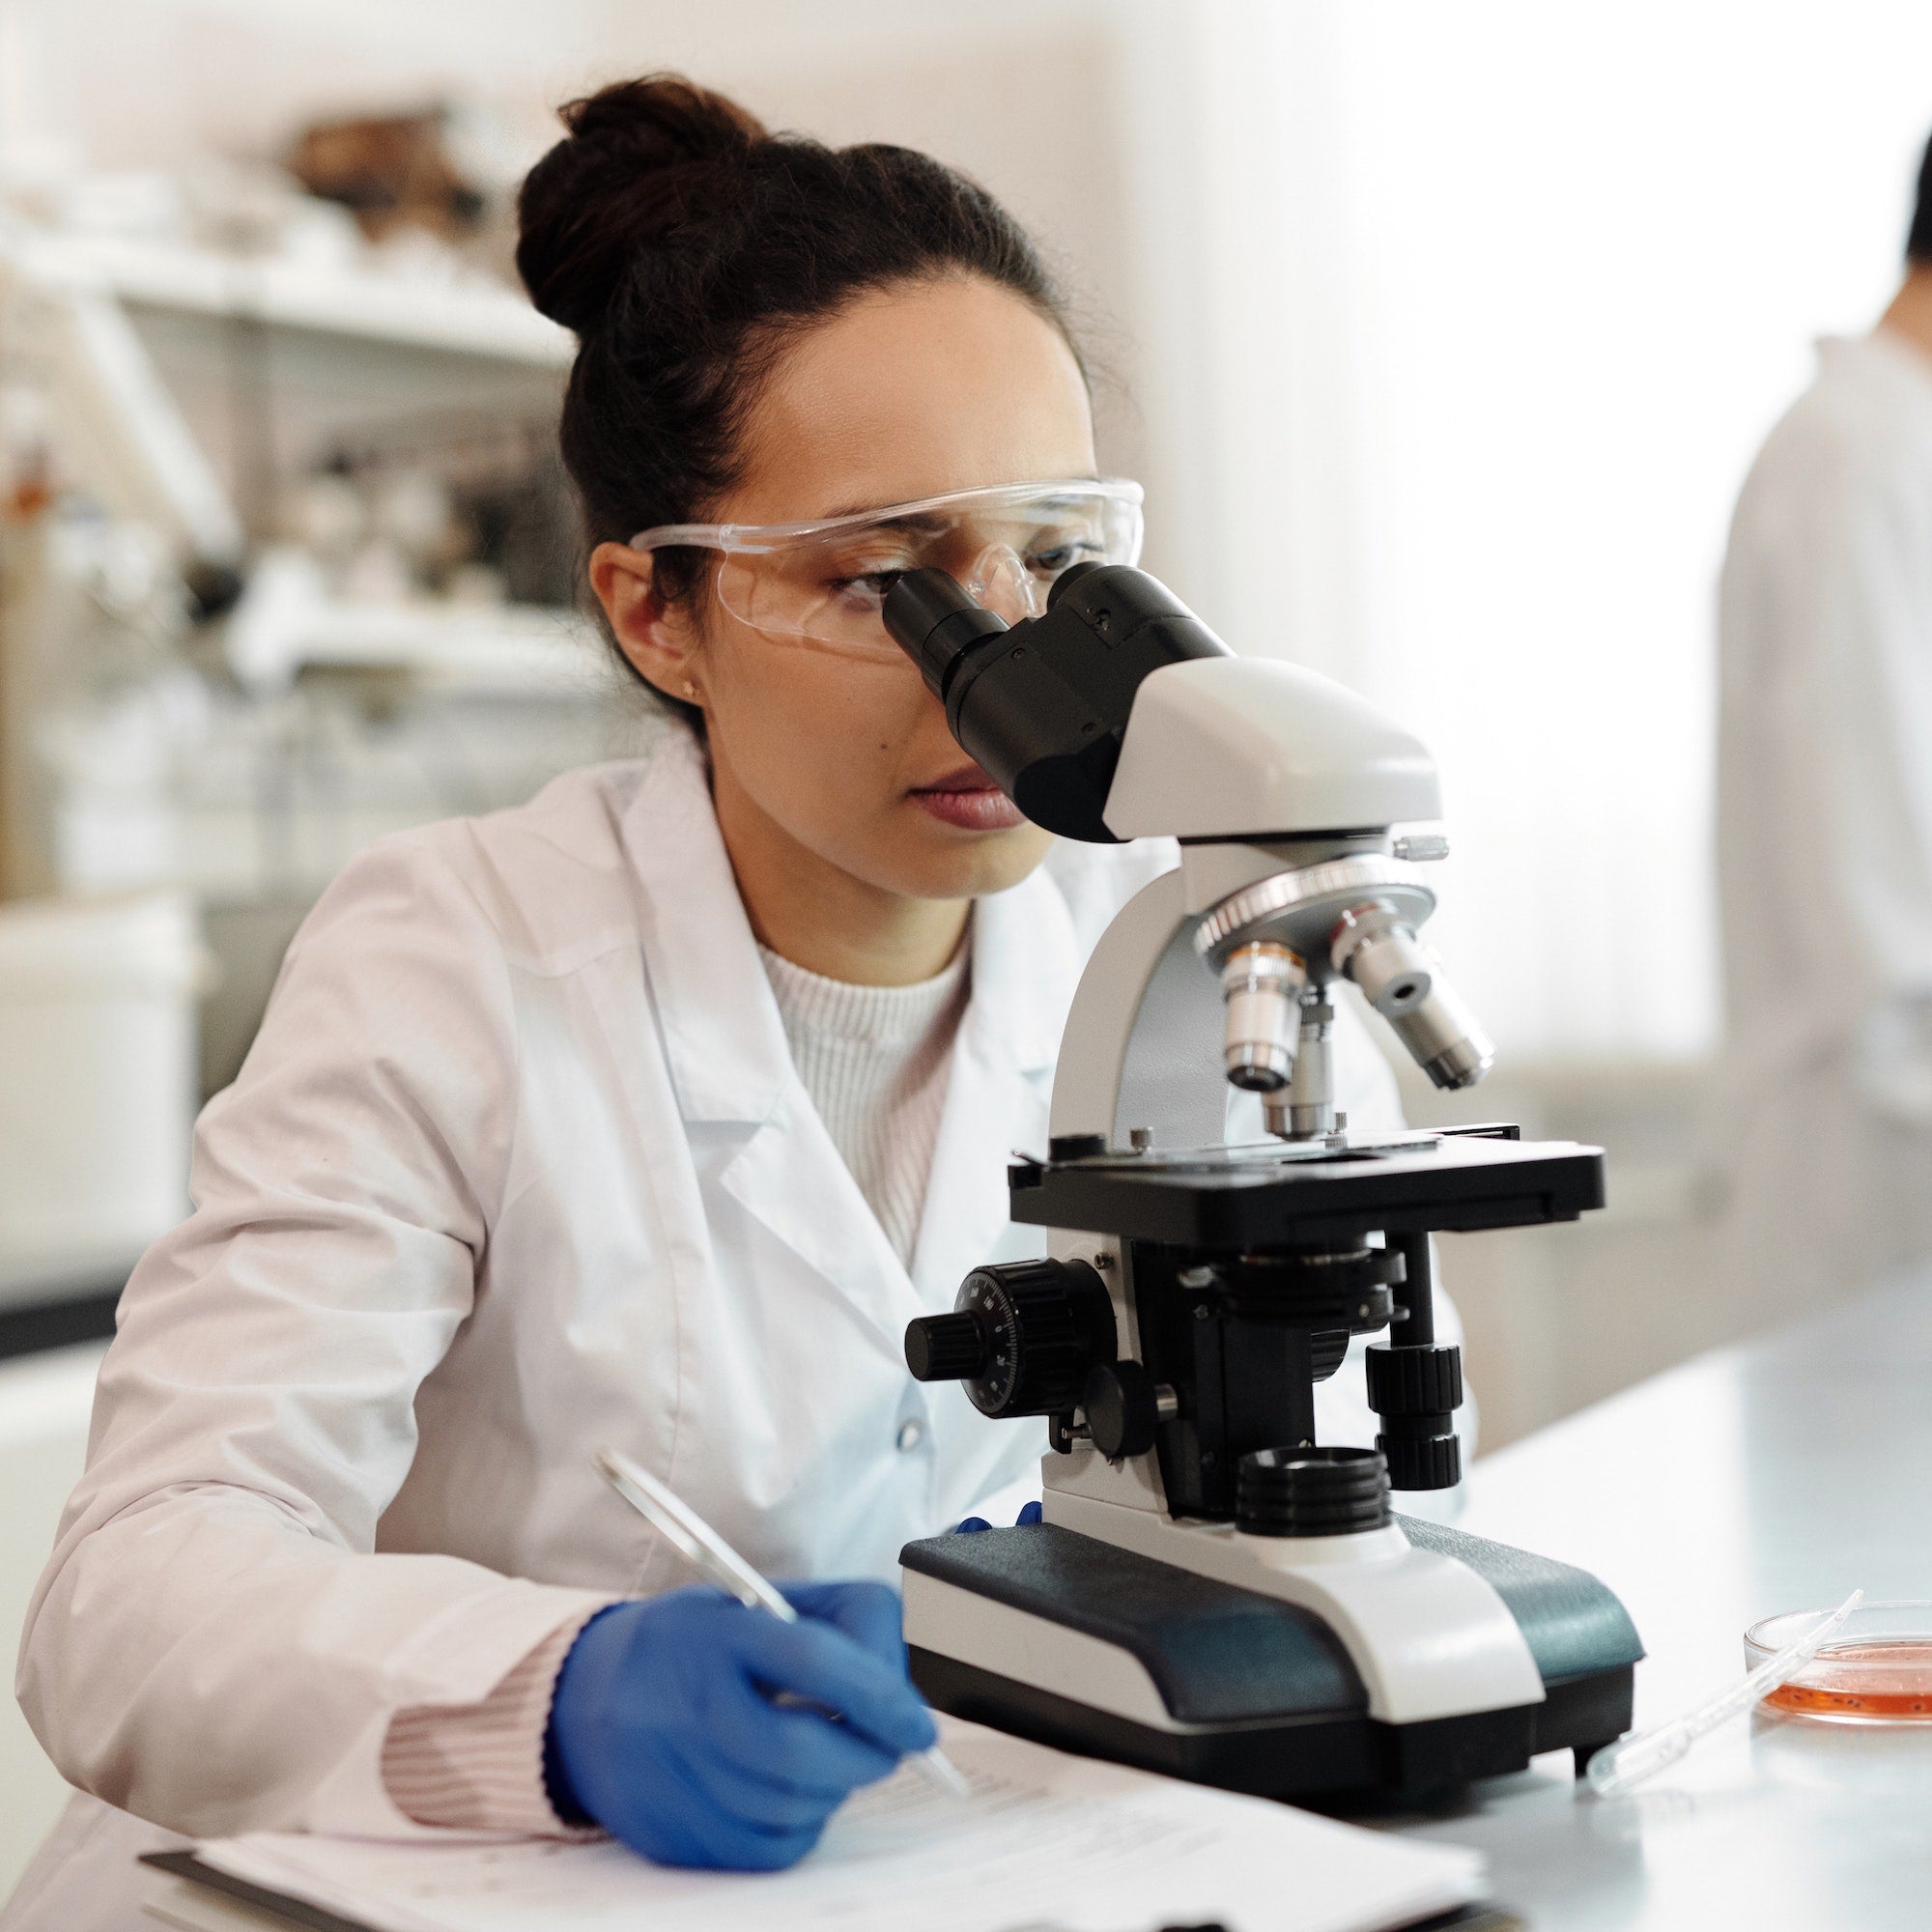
{"x":712,"y":1557}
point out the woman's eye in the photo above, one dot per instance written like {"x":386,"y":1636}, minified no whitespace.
{"x":1062,"y":556}
{"x":871,"y":587}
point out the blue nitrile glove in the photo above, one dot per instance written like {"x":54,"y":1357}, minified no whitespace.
{"x":1030,"y":1513}
{"x":664,"y":1729}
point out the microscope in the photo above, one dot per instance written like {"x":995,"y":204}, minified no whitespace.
{"x":1212,"y":1592}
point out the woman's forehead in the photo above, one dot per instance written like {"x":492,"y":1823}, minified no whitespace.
{"x":910,"y":393}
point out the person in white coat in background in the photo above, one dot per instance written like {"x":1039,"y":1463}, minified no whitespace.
{"x":1824,"y":1131}
{"x":644,"y":1115}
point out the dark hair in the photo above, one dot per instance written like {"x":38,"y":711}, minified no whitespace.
{"x":683,"y":245}
{"x":1919,"y":240}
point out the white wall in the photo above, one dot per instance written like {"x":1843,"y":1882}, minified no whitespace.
{"x":1489,"y":307}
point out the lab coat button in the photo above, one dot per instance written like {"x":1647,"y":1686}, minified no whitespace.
{"x":911,"y":1433}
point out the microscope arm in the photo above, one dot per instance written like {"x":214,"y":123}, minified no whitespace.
{"x":1143,"y":1041}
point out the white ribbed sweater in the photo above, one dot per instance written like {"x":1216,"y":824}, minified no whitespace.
{"x":875,"y":1059}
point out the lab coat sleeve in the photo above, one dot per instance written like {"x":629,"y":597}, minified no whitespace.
{"x":216,"y":1645}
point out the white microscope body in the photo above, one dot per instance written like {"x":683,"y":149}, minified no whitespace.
{"x":1211,"y":1591}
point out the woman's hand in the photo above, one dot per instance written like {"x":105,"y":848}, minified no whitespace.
{"x":666,"y":1728}
{"x":1030,"y":1513}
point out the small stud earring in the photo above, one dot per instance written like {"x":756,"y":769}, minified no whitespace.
{"x":690,"y":690}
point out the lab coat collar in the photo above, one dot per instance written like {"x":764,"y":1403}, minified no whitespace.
{"x":1026,"y":962}
{"x":723,"y":1037}
{"x":730,"y":1060}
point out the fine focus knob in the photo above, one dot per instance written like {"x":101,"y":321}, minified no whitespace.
{"x":1123,"y":1409}
{"x":1022,"y":1337}
{"x":945,"y":1348}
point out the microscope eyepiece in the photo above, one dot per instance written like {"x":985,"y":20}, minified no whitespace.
{"x":1067,"y":579}
{"x":1043,"y":704}
{"x":932,"y":619}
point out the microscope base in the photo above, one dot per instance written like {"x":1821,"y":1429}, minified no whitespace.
{"x":1312,"y":1758}
{"x":1095,"y":1649}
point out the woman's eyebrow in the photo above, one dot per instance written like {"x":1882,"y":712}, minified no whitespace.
{"x":931,"y":519}
{"x":921,"y":523}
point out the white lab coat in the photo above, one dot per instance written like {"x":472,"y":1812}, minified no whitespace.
{"x":519,"y":1165}
{"x":1824,"y":1128}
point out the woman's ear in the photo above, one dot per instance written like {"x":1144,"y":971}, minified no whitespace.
{"x":656,"y":639}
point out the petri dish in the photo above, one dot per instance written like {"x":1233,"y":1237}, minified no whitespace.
{"x":1875,"y":1670}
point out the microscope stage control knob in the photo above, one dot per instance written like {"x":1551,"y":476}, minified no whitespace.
{"x":1422,"y":1462}
{"x":1416,"y":1391}
{"x":1022,"y":1337}
{"x":1416,"y":1380}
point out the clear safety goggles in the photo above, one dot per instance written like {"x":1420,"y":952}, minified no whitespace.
{"x":825,"y":584}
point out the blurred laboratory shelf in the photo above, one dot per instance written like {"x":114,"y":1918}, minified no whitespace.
{"x":47,"y":1301}
{"x":503,"y":649}
{"x":471,"y":316}
{"x":1776,"y":1475}
{"x":44,"y":1405}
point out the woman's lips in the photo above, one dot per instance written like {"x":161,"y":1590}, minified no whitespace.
{"x":970,"y":800}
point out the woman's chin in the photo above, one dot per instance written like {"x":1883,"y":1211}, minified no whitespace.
{"x":953,"y":866}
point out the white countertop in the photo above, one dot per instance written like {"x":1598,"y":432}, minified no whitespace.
{"x":1776,"y":1475}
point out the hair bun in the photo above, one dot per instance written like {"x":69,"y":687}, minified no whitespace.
{"x":621,"y":177}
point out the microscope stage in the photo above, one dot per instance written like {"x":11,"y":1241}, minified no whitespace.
{"x":1257,"y":1197}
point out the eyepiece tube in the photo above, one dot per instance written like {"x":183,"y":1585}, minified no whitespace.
{"x":1262,"y":985}
{"x":936,"y":624}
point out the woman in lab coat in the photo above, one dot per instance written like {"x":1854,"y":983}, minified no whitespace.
{"x":647,"y":1114}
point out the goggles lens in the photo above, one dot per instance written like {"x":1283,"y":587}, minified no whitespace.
{"x":826,"y":586}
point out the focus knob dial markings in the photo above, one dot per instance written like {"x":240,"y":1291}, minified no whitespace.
{"x":1023,"y":1337}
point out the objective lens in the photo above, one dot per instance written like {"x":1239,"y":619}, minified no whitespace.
{"x":1445,"y":1037}
{"x":1262,"y":985}
{"x":1382,"y":954}
{"x":1401,"y":979}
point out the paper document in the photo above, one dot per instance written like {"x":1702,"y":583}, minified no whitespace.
{"x":1046,"y":1841}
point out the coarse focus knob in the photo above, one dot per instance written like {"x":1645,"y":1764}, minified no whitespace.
{"x":1416,"y":1391}
{"x":1038,"y":1328}
{"x":945,"y":1348}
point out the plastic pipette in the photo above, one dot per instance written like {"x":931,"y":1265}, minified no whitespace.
{"x":1623,"y":1766}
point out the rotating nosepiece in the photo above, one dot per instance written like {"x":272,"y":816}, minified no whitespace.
{"x":1276,"y":943}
